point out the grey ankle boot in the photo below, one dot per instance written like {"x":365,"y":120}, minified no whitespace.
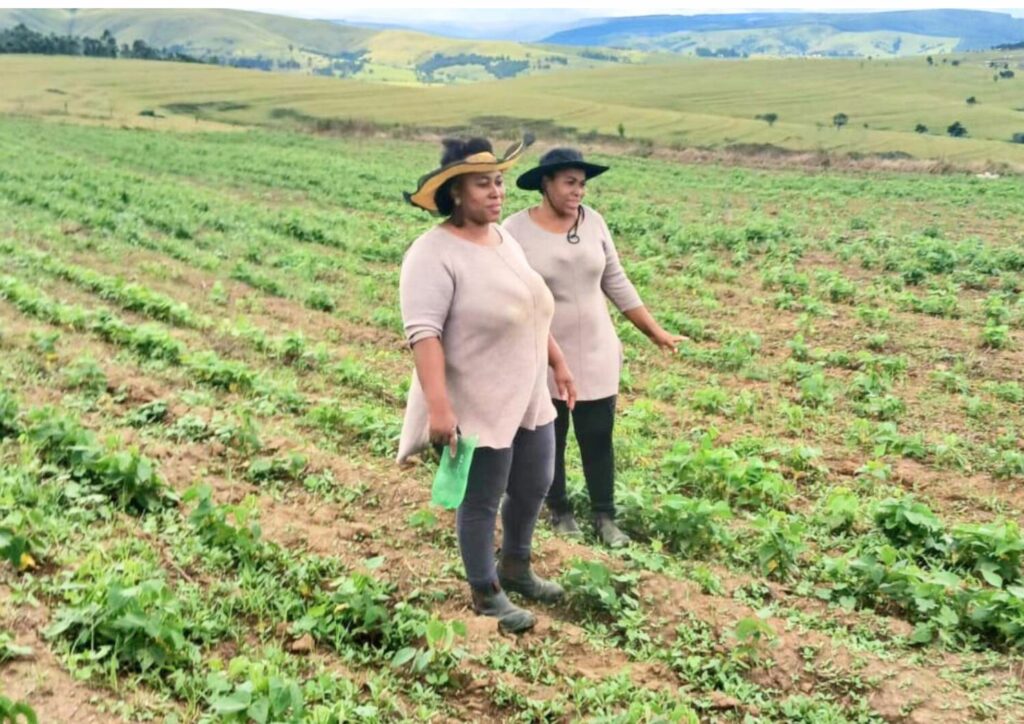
{"x":493,"y":602}
{"x":609,"y":533}
{"x":564,"y":524}
{"x":515,"y":574}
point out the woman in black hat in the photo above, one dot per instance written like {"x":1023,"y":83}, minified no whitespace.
{"x":570,"y":245}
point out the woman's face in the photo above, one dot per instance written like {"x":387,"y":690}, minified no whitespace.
{"x":565,"y":190}
{"x":479,"y":197}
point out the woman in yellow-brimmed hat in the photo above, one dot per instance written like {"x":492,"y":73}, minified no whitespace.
{"x":478,"y":320}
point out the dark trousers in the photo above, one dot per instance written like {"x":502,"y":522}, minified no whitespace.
{"x":516,"y":478}
{"x":592,"y":421}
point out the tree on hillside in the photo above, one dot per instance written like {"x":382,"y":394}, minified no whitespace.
{"x":768,"y":118}
{"x":931,"y":60}
{"x":1017,"y":138}
{"x":839,"y":120}
{"x":957,"y":130}
{"x":920,"y":128}
{"x":971,"y":100}
{"x":622,"y":130}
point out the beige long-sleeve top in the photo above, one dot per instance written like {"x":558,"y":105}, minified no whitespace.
{"x":580,"y":276}
{"x":492,"y":313}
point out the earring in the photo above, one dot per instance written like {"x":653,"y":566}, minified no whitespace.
{"x":458,"y":201}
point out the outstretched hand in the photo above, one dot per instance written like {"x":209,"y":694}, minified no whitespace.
{"x":667,"y":341}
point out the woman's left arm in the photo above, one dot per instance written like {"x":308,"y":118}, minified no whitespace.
{"x":563,"y":375}
{"x":617,"y":287}
{"x":643,"y":320}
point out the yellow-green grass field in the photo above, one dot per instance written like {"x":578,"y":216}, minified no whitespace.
{"x":705,"y":103}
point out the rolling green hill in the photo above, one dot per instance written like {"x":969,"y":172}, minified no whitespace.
{"x":687,"y":103}
{"x":317,"y":46}
{"x":876,"y":34}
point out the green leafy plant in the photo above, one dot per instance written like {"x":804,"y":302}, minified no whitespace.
{"x":233,"y":528}
{"x":436,"y":660}
{"x":752,"y":636}
{"x":151,"y":413}
{"x":594,"y":588}
{"x":780,"y":543}
{"x":840,"y":509}
{"x":9,"y":651}
{"x":994,"y":551}
{"x":286,"y":468}
{"x":908,"y":522}
{"x":133,"y":625}
{"x":125,"y":476}
{"x":16,"y":712}
{"x":693,"y":526}
{"x":10,"y":424}
{"x":257,"y":692}
{"x":25,"y":536}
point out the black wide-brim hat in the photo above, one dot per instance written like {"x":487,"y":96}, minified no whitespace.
{"x":483,"y":162}
{"x":555,"y":160}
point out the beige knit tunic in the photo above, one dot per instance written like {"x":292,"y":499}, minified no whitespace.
{"x":581,"y":276}
{"x":492,"y":313}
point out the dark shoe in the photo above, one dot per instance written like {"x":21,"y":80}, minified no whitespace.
{"x":515,"y":575}
{"x":609,"y":533}
{"x":564,"y":524}
{"x":495,"y":603}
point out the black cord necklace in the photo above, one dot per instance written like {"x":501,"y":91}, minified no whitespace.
{"x":573,"y":236}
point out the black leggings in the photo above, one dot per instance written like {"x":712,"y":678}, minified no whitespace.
{"x":592,"y":422}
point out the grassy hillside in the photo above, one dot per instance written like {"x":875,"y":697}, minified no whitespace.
{"x":685,"y":103}
{"x":861,"y":34}
{"x":307,"y":46}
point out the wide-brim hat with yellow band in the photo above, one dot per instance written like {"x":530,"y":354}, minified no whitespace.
{"x":482,"y":162}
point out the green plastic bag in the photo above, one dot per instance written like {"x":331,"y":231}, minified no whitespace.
{"x":450,"y":481}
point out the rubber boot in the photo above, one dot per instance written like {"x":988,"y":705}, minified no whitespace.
{"x":493,"y":602}
{"x":515,"y":575}
{"x":609,"y":533}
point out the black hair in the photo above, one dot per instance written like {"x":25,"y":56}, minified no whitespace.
{"x":456,"y":149}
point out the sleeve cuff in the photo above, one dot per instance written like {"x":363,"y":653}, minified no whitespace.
{"x":418,"y":334}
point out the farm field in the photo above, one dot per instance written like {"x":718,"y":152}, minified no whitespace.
{"x":674,"y":104}
{"x":202,"y":375}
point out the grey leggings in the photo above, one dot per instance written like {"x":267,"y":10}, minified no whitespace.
{"x":522,"y":474}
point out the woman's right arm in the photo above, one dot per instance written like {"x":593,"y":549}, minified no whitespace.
{"x":429,"y":356}
{"x":426,"y":290}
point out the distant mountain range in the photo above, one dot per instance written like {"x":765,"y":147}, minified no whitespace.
{"x":526,"y":25}
{"x":831,"y":34}
{"x":404,"y":56}
{"x":321,"y":47}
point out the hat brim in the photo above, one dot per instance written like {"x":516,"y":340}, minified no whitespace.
{"x":530,"y":180}
{"x":423,"y":196}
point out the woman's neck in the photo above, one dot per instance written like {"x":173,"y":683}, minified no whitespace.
{"x":482,"y":234}
{"x":550,"y":218}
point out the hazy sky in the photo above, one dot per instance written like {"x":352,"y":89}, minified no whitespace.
{"x":397,"y":11}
